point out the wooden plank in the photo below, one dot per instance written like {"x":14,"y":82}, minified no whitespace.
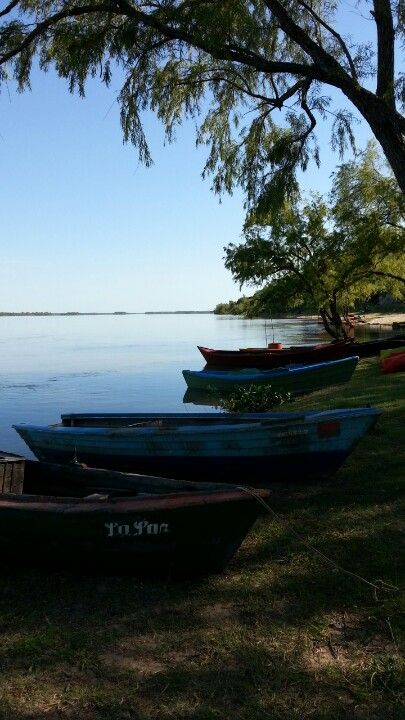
{"x":12,"y":474}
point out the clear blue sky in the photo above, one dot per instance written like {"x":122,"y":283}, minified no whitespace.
{"x":85,"y":227}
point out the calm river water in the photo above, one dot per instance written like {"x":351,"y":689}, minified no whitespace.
{"x":124,"y":363}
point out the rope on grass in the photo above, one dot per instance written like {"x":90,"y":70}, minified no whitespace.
{"x":378,"y":585}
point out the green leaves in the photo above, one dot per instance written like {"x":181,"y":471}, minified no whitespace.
{"x":254,"y":399}
{"x":250,"y":73}
{"x":328,"y":254}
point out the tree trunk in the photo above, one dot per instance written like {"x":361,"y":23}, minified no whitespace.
{"x":388,"y":126}
{"x":332,"y":321}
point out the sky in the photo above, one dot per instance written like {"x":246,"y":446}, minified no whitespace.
{"x":84,"y":227}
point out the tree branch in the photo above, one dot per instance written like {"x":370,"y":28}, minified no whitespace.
{"x":41,"y":27}
{"x":227,"y":52}
{"x":387,"y":274}
{"x":308,"y":112}
{"x":330,"y":69}
{"x":9,"y":7}
{"x":382,"y":14}
{"x":334,"y":33}
{"x":122,"y":7}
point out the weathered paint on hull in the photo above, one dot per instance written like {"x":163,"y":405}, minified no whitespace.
{"x":286,"y":445}
{"x":296,"y":381}
{"x":267,"y":359}
{"x":261,"y":471}
{"x":188,"y":540}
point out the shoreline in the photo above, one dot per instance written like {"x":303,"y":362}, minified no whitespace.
{"x":97,"y":314}
{"x":370,"y":319}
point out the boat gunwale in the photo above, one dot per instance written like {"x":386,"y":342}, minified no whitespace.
{"x":244,"y":375}
{"x":166,"y":501}
{"x":243,"y":421}
{"x":277,"y":353}
{"x":221,"y":415}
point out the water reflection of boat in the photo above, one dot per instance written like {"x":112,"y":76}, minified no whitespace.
{"x":199,"y":397}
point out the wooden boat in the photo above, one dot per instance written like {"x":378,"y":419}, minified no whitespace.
{"x":295,"y":379}
{"x":394,"y":363}
{"x":392,"y":351}
{"x":265,"y":359}
{"x":251,"y":448}
{"x":127,"y":522}
{"x":372,"y":348}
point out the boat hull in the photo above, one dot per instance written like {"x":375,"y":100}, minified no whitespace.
{"x":274,"y":446}
{"x":384,"y":354}
{"x":190,"y":532}
{"x":257,"y":470}
{"x":295,"y":380}
{"x":394,"y":363}
{"x":268,"y":359}
{"x":372,"y":348}
{"x":265,"y":359}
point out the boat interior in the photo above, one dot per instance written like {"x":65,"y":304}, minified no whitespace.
{"x":33,"y":479}
{"x":135,"y":420}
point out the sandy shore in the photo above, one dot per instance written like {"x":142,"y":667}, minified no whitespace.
{"x":385,"y":319}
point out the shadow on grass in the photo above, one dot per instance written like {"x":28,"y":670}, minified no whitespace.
{"x":246,"y":675}
{"x":258,"y":641}
{"x":278,"y":635}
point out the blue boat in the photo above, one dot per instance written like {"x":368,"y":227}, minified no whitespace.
{"x":295,"y":379}
{"x":251,"y":448}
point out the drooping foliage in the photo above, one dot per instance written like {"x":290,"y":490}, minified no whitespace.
{"x":255,"y":75}
{"x":329,"y":253}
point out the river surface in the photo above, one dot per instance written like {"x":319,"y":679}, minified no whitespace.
{"x":129,"y":363}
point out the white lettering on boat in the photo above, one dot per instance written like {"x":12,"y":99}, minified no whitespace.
{"x":135,"y":529}
{"x":292,"y":433}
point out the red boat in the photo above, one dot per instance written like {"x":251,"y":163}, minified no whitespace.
{"x":394,"y":363}
{"x":266,"y":359}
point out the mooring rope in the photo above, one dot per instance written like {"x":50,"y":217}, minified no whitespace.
{"x":378,"y":585}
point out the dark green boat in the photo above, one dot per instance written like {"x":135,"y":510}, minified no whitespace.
{"x":295,"y":379}
{"x":110,"y":521}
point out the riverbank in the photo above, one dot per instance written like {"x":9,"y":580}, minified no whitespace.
{"x":278,"y":635}
{"x":385,"y":320}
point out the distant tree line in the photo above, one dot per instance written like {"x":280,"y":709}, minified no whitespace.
{"x":261,"y":304}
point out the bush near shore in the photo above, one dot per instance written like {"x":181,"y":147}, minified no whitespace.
{"x":278,"y":635}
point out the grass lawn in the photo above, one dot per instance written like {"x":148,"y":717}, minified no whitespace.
{"x":278,"y":635}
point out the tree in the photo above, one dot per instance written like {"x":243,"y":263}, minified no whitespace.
{"x":231,"y":64}
{"x":329,"y":254}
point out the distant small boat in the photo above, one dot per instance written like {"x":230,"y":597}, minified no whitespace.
{"x":372,"y":348}
{"x":295,"y":379}
{"x":250,"y":448}
{"x":394,"y":363}
{"x":392,"y":351}
{"x":173,"y":527}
